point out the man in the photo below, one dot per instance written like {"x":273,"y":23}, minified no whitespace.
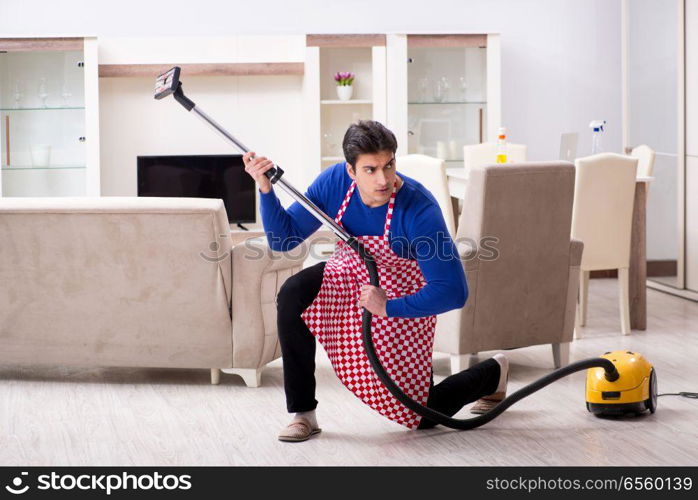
{"x":421,"y":276}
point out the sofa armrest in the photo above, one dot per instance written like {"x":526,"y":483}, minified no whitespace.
{"x":258,"y":274}
{"x":322,"y":236}
{"x":238,"y":237}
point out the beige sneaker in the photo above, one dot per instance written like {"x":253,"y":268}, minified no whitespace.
{"x":483,"y":405}
{"x":298,"y":430}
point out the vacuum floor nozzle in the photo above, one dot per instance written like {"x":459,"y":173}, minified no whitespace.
{"x":167,"y":83}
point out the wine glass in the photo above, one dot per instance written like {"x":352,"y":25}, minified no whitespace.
{"x":66,"y":94}
{"x":441,"y":89}
{"x":463,"y":86}
{"x":17,"y":95}
{"x":42,"y":93}
{"x":423,"y":89}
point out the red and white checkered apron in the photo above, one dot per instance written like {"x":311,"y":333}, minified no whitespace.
{"x":404,"y":345}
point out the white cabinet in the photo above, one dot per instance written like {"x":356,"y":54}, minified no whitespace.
{"x":653,"y":118}
{"x":691,"y":135}
{"x":691,"y":268}
{"x":661,"y":39}
{"x":327,"y":117}
{"x":691,"y":110}
{"x":50,"y":120}
{"x":661,"y":99}
{"x":443,"y":92}
{"x":401,"y":81}
{"x":691,"y":72}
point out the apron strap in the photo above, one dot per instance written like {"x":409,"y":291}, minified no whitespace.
{"x":345,"y":203}
{"x":389,"y":215}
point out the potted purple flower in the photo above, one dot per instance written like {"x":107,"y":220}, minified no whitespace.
{"x":344,"y":81}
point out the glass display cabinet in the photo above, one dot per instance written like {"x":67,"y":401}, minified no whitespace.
{"x":48,"y":102}
{"x":444,"y":92}
{"x":329,"y":112}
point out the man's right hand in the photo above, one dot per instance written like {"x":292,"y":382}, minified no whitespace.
{"x":256,"y":168}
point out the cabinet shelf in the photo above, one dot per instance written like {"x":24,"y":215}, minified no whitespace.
{"x":43,"y":109}
{"x":350,"y":101}
{"x":202,"y":69}
{"x":446,"y":103}
{"x":57,"y":167}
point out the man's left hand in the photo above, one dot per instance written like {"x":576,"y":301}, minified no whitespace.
{"x":373,"y":299}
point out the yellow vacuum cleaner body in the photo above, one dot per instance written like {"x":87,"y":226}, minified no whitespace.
{"x":635,"y":391}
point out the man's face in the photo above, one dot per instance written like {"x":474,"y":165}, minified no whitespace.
{"x":375,"y":176}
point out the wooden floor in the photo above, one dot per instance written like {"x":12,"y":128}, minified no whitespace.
{"x":68,"y":416}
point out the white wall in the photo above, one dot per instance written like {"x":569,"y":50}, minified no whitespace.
{"x":261,"y":111}
{"x":560,"y":58}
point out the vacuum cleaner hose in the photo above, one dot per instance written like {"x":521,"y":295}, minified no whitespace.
{"x":611,"y":372}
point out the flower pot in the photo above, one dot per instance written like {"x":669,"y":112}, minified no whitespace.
{"x":344,"y":92}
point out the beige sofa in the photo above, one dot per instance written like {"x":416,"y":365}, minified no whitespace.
{"x":149,"y":282}
{"x":523,"y":285}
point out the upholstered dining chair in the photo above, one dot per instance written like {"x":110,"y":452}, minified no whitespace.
{"x":645,"y":160}
{"x":521,"y":265}
{"x":430,"y":172}
{"x":603,"y":208}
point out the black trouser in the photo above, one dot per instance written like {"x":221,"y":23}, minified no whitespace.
{"x":298,"y":352}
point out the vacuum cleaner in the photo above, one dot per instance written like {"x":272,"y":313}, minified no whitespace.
{"x":618,"y":382}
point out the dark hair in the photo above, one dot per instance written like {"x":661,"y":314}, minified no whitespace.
{"x":367,"y":136}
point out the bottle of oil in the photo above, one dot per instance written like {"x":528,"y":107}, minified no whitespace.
{"x":502,"y":145}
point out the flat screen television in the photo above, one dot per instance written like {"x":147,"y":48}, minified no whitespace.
{"x":201,"y":176}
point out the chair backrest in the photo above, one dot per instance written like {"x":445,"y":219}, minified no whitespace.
{"x":431,"y":173}
{"x":521,"y":288}
{"x":645,"y":160}
{"x":568,"y":146}
{"x":479,"y":155}
{"x":603,"y":206}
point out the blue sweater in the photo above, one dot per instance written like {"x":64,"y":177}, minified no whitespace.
{"x":418,"y":232}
